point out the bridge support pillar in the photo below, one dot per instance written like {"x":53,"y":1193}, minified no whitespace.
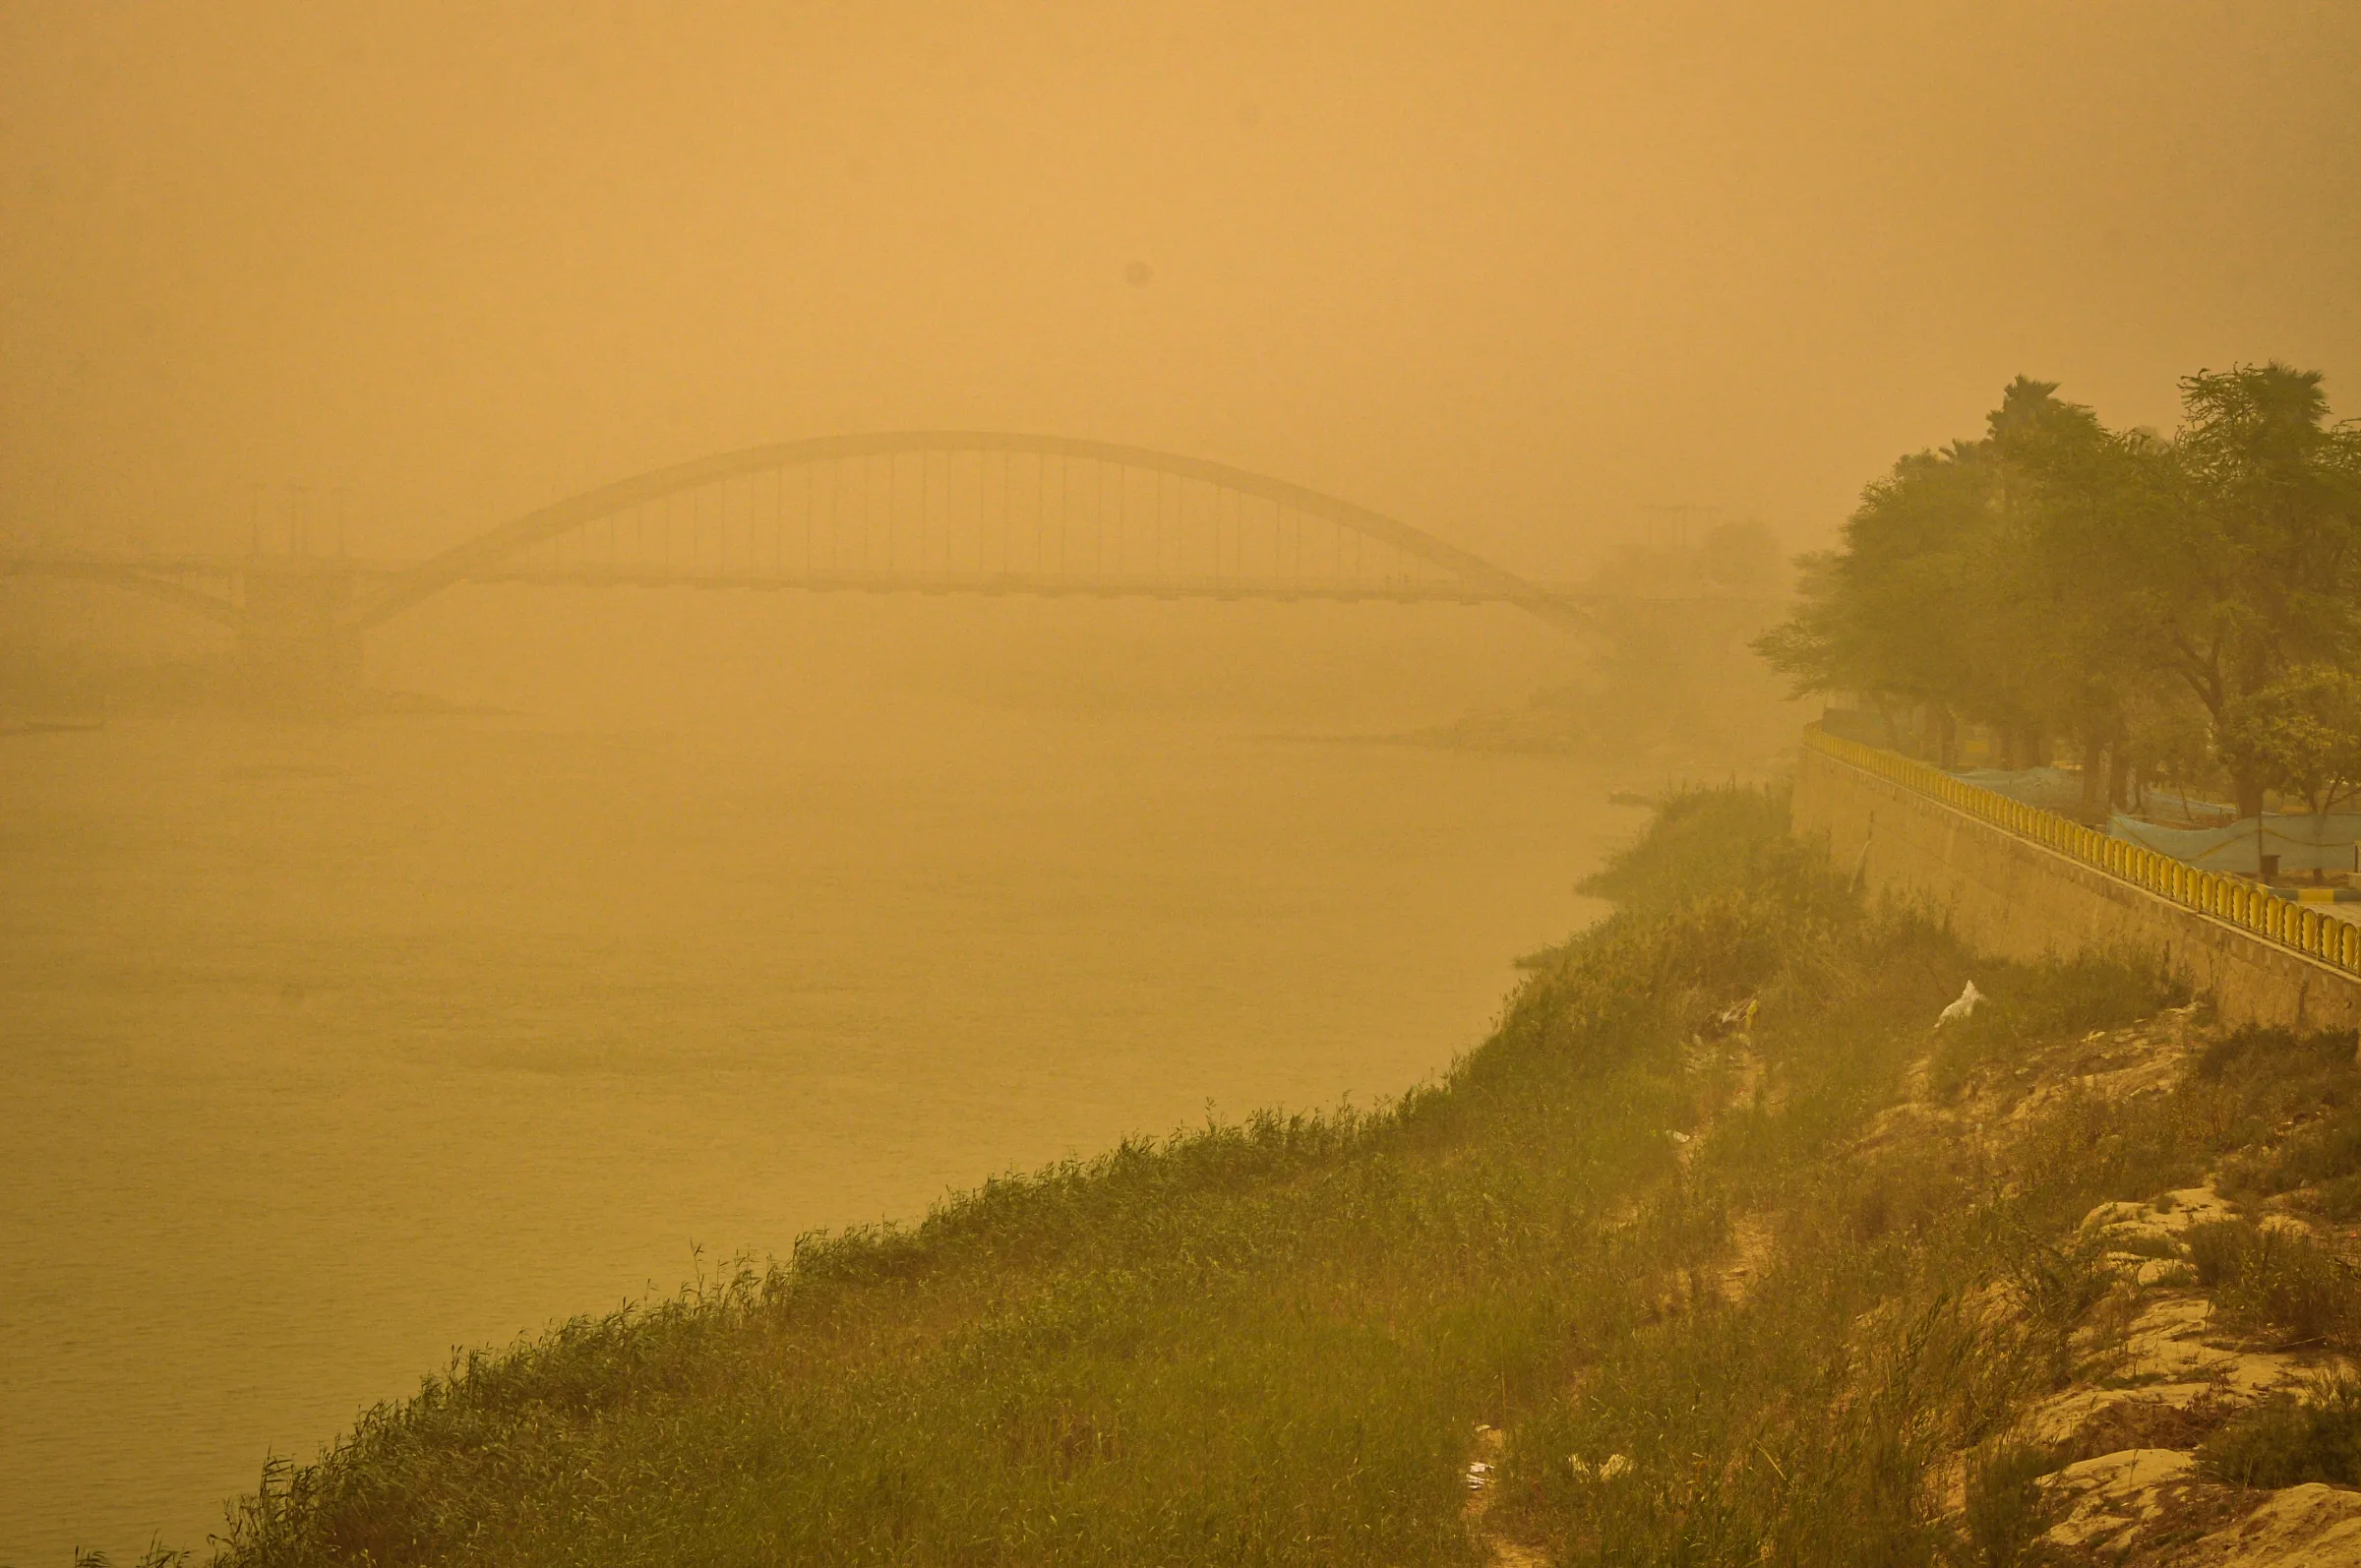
{"x":295,"y":648}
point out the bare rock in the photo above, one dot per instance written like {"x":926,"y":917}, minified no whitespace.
{"x":2157,"y":1415}
{"x":2304,"y":1527}
{"x":2168,"y":1342}
{"x":2113,"y":1499}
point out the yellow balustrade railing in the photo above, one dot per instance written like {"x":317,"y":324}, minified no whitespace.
{"x":2227,"y":898}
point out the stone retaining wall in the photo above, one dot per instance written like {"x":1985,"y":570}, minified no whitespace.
{"x":2019,"y":899}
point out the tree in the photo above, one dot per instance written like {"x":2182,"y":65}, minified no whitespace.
{"x":2076,"y":497}
{"x":2058,"y":578}
{"x":1945,"y":594}
{"x":2301,"y":734}
{"x":1887,"y":614}
{"x":2257,"y":558}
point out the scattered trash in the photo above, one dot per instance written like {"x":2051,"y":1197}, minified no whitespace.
{"x":1959,"y":1012}
{"x":1609,"y":1469}
{"x":1737,"y":1018}
{"x":1480,"y":1475}
{"x":1680,"y":1137}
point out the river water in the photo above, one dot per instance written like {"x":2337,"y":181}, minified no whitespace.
{"x":330,"y":1047}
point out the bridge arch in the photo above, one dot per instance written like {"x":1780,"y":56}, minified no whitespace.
{"x":489,"y":552}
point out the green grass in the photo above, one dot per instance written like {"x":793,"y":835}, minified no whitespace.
{"x":1270,"y":1342}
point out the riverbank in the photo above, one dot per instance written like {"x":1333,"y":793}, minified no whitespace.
{"x":1716,"y":1251}
{"x":361,"y":1040}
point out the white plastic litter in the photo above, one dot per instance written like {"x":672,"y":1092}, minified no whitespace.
{"x":1480,"y":1475}
{"x":1738,"y":1017}
{"x":1608,"y":1469}
{"x":1959,"y":1012}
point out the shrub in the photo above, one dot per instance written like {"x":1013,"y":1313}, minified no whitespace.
{"x":2059,"y":1283}
{"x":2278,"y":1278}
{"x":2217,"y":1250}
{"x":2326,"y":1151}
{"x":2007,"y":1509}
{"x":2295,"y":1284}
{"x":2340,"y":1199}
{"x":1711,"y":840}
{"x":2275,"y":1075}
{"x":2286,"y":1442}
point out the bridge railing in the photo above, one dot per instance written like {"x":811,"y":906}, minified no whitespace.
{"x":2240,"y":903}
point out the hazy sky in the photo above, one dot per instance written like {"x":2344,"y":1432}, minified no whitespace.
{"x":1510,"y":271}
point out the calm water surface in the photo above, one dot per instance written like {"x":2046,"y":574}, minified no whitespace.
{"x":329,"y":1048}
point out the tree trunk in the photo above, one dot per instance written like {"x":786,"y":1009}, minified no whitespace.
{"x":1885,"y":717}
{"x":2095,"y":777}
{"x":2250,"y":794}
{"x":2119,"y":775}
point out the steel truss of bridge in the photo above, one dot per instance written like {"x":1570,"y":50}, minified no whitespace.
{"x":918,"y":511}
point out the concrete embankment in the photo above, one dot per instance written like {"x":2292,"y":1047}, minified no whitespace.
{"x":2009,"y":896}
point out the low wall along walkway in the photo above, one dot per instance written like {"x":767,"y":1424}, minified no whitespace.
{"x":2022,"y":882}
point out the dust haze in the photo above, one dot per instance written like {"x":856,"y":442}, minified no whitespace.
{"x":575,"y":925}
{"x":1510,"y":273}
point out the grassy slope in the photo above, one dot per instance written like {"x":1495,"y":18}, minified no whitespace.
{"x":1271,"y":1343}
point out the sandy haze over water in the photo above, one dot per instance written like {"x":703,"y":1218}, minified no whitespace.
{"x":331,"y":1042}
{"x":334,"y":1046}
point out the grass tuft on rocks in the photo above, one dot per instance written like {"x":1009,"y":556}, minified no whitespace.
{"x":2287,"y":1441}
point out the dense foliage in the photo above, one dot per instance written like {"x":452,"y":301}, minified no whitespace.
{"x":2140,"y":598}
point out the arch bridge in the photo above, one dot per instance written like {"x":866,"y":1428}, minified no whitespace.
{"x":910,"y":511}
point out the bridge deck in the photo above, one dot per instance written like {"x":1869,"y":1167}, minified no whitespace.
{"x":877,"y":579}
{"x":172,"y":576}
{"x":1103,"y":585}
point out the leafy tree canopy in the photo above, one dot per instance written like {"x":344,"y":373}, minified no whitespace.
{"x":2055,"y":577}
{"x":2301,"y":734}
